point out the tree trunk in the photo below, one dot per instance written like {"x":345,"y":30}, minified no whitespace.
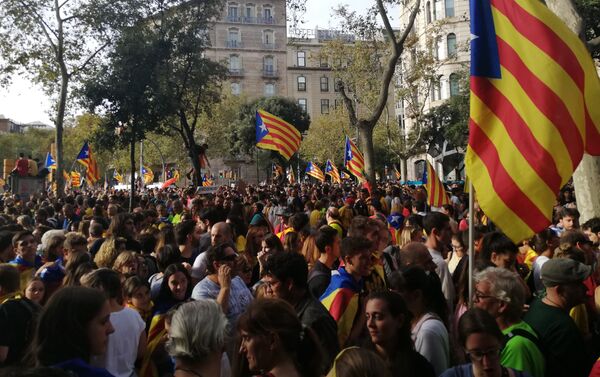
{"x":586,"y":177}
{"x":404,"y":169}
{"x":58,"y":136}
{"x":132,"y":169}
{"x":365,"y":139}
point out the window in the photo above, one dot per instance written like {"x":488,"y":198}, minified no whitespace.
{"x":324,"y":106}
{"x":234,"y":63}
{"x":232,"y":12}
{"x":324,"y":84}
{"x":436,"y":90}
{"x":302,"y":104}
{"x":249,"y":12}
{"x":233,"y":38}
{"x":454,"y":87}
{"x":301,"y":55}
{"x":449,"y":8}
{"x":267,"y":14}
{"x":435,"y":9}
{"x":451,"y":44}
{"x":428,"y":12}
{"x":236,"y":88}
{"x":268,"y":64}
{"x":323,"y":62}
{"x":268,"y":38}
{"x":301,"y":84}
{"x":269,"y":90}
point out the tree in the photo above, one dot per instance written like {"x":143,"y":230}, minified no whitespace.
{"x":325,"y":138}
{"x":55,"y":42}
{"x":368,"y":33}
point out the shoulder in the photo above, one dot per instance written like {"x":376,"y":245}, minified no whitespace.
{"x":463,"y":370}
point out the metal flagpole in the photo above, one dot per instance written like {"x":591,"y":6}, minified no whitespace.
{"x":141,"y":165}
{"x":471,"y":243}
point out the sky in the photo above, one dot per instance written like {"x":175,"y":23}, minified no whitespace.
{"x":24,"y":102}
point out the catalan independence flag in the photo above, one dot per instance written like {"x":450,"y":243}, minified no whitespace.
{"x":75,"y":179}
{"x":533,"y":113}
{"x":290,"y":176}
{"x":315,"y":172}
{"x":397,"y":173}
{"x":436,"y":193}
{"x":50,"y":162}
{"x":148,"y":175}
{"x":332,"y":171}
{"x":275,"y":134}
{"x":86,"y":158}
{"x":117,"y":176}
{"x":341,"y":300}
{"x":354,"y":161}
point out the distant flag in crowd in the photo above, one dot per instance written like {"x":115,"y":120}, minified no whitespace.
{"x":332,"y":171}
{"x":290,"y":176}
{"x":397,"y":173}
{"x":533,"y":111}
{"x":354,"y":161}
{"x":436,"y":193}
{"x":75,"y":179}
{"x":86,"y":158}
{"x":275,"y":134}
{"x":343,"y":176}
{"x":314,"y":171}
{"x":277,"y":170}
{"x":66,"y":177}
{"x":50,"y":162}
{"x":117,"y":176}
{"x":206,"y":180}
{"x":148,"y":175}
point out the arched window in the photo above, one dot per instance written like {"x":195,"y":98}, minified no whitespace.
{"x":236,"y":88}
{"x":449,"y":8}
{"x":451,"y":45}
{"x":428,"y":12}
{"x":454,"y":87}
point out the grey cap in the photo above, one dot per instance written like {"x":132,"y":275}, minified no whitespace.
{"x":564,"y":271}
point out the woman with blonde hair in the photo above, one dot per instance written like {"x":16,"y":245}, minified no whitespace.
{"x":358,"y":362}
{"x":126,"y":264}
{"x":109,"y":251}
{"x":310,"y":251}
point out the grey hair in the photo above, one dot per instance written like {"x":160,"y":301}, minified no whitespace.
{"x":198,"y":329}
{"x":505,"y":286}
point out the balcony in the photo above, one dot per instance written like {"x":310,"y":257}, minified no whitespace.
{"x":233,"y":43}
{"x":269,"y":46}
{"x":235,"y":19}
{"x":270,"y":72}
{"x":265,"y":20}
{"x":236,"y":72}
{"x":250,"y":20}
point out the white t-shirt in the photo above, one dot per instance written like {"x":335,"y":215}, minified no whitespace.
{"x":122,"y":349}
{"x":431,"y":340}
{"x":199,"y":267}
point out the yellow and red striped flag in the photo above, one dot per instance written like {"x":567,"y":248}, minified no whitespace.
{"x":332,"y":171}
{"x":436,"y":193}
{"x":354,"y":161}
{"x":534,"y":111}
{"x":290,"y":176}
{"x":86,"y":158}
{"x":314,"y":171}
{"x":276,"y":134}
{"x":397,"y":173}
{"x":75,"y":179}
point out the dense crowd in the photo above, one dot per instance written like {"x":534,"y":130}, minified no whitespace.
{"x":306,"y":280}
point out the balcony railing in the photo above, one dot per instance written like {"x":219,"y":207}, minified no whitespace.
{"x":236,"y":72}
{"x":250,"y":20}
{"x":232,"y":43}
{"x":269,"y":46}
{"x":269,"y":71}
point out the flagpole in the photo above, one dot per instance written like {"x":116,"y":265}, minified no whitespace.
{"x":471,"y":243}
{"x":257,"y":170}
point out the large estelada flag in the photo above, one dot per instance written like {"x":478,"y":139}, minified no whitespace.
{"x":332,"y":171}
{"x":86,"y":158}
{"x":275,"y":134}
{"x":534,"y":111}
{"x":354,"y":161}
{"x":436,"y":193}
{"x":314,"y":171}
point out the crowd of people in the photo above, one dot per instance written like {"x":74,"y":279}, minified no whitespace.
{"x":282,"y":281}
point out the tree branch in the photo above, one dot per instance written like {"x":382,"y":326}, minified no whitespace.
{"x":89,"y":59}
{"x":42,"y":23}
{"x":348,"y":103}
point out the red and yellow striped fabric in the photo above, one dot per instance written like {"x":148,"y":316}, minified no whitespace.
{"x":315,"y":172}
{"x":341,"y":300}
{"x":532,"y":116}
{"x":436,"y":193}
{"x":276,"y":134}
{"x":354,"y":161}
{"x":332,"y":171}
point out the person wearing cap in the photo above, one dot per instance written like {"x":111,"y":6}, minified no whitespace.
{"x":561,"y":341}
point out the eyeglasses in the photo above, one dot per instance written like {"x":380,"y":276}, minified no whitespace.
{"x":479,"y":296}
{"x":478,"y":355}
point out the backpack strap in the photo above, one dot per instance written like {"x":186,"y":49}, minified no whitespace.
{"x":525,"y":334}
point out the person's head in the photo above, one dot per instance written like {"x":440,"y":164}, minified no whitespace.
{"x":220,"y":233}
{"x":122,"y":225}
{"x":457,"y":243}
{"x":126,"y":264}
{"x":218,"y":255}
{"x":105,"y":280}
{"x":176,"y":284}
{"x":356,"y":253}
{"x":198,"y":330}
{"x":358,"y":362}
{"x":271,"y":332}
{"x":52,"y":244}
{"x":437,"y":227}
{"x":271,"y":244}
{"x":292,"y":242}
{"x":298,"y":221}
{"x":499,"y":250}
{"x":75,"y":243}
{"x":137,"y":293}
{"x":591,"y":228}
{"x":87,"y":313}
{"x":417,"y":254}
{"x":389,"y":322}
{"x":24,"y":244}
{"x":577,"y":239}
{"x":563,"y":279}
{"x":35,"y":290}
{"x":9,"y":279}
{"x":186,"y":234}
{"x":328,"y":241}
{"x":166,"y":256}
{"x":367,"y":228}
{"x":6,"y":247}
{"x":568,"y":218}
{"x":499,"y":292}
{"x":545,"y":241}
{"x":482,"y":340}
{"x":285,"y":276}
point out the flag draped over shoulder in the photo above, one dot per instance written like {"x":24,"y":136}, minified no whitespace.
{"x":354,"y":161}
{"x":315,"y":172}
{"x":332,"y":171}
{"x":276,"y":134}
{"x":50,"y":162}
{"x":341,"y":300}
{"x":534,"y":111}
{"x":436,"y":193}
{"x":86,"y":158}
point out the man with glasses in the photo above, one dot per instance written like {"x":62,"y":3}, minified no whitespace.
{"x":563,"y":344}
{"x":499,"y":292}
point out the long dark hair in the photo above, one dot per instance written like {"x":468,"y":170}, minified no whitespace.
{"x":165,"y":298}
{"x":414,"y":278}
{"x":62,"y":327}
{"x":273,"y":316}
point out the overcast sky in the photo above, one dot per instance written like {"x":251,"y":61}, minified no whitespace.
{"x":24,"y":102}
